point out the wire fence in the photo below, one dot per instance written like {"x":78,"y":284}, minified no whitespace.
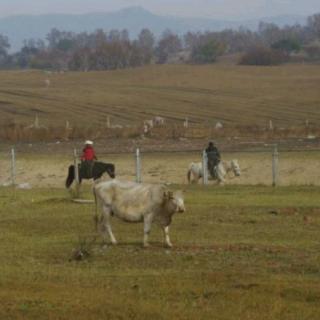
{"x":267,"y":166}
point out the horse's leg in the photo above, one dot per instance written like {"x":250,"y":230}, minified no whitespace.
{"x":196,"y":177}
{"x":220,"y":172}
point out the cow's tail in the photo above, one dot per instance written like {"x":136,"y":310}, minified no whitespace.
{"x":96,"y":214}
{"x":70,"y":177}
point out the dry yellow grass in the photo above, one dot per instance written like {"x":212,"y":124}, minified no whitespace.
{"x":233,"y":94}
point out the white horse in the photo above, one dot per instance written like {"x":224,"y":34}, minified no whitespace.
{"x":195,"y":171}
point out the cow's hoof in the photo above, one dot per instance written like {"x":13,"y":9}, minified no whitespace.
{"x":146,"y":245}
{"x":114,"y":243}
{"x":168,"y":245}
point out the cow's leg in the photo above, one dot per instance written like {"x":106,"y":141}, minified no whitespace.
{"x":146,"y":229}
{"x":166,"y":236}
{"x":105,"y":223}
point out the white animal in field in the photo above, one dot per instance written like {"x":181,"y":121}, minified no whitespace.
{"x":135,"y":202}
{"x":47,"y":83}
{"x":149,"y":123}
{"x":159,"y":121}
{"x":195,"y":171}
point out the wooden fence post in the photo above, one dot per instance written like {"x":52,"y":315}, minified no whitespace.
{"x":138,"y":166}
{"x":275,"y":162}
{"x":204,"y":168}
{"x":13,"y":167}
{"x":270,"y":125}
{"x":76,"y":171}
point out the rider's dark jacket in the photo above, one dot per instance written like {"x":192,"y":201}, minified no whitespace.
{"x":213,"y":153}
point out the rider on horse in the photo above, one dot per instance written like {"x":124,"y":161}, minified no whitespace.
{"x":87,"y":159}
{"x":213,"y":156}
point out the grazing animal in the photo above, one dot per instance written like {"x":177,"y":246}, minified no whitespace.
{"x":98,"y":169}
{"x":47,"y":82}
{"x":158,"y":121}
{"x":195,"y":171}
{"x":149,"y":123}
{"x":135,"y":202}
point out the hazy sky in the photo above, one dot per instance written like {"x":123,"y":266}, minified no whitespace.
{"x":224,"y":9}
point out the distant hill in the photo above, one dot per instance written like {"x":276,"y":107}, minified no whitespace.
{"x":18,"y":28}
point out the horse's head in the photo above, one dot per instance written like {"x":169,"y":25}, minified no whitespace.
{"x":111,"y":170}
{"x":235,"y":167}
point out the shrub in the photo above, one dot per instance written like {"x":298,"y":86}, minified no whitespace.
{"x":207,"y":52}
{"x":287,"y":45}
{"x":263,"y":56}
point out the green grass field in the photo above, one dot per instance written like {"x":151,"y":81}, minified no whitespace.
{"x":232,"y":94}
{"x":239,"y":252}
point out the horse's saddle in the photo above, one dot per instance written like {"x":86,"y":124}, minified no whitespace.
{"x":86,"y":168}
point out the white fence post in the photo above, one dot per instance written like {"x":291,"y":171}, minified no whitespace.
{"x":13,"y":167}
{"x":204,"y":168}
{"x":275,"y":162}
{"x":138,"y":166}
{"x":270,"y":125}
{"x":76,"y":171}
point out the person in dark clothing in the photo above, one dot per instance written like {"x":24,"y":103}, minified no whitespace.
{"x":213,"y":156}
{"x":87,"y":159}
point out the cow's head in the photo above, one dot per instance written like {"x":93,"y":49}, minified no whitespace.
{"x":174,"y":201}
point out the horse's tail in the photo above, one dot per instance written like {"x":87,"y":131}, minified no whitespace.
{"x":195,"y":171}
{"x":70,"y":177}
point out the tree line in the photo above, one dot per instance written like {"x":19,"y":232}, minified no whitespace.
{"x":101,"y":50}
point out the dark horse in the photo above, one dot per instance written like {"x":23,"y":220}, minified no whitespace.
{"x":98,"y":169}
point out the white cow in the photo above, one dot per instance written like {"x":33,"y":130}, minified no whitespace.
{"x":159,"y":121}
{"x":149,"y":123}
{"x":47,"y":83}
{"x":195,"y":171}
{"x":134,"y":202}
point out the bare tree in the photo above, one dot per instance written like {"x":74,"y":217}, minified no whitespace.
{"x":314,"y":25}
{"x":4,"y":46}
{"x":146,"y":43}
{"x":168,"y":45}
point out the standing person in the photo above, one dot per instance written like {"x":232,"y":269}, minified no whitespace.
{"x":87,"y":159}
{"x":214,"y":158}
